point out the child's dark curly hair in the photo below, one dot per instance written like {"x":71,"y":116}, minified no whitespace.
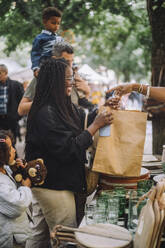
{"x":4,"y":148}
{"x":49,"y":12}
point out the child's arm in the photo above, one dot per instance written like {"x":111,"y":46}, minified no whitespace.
{"x":13,"y":202}
{"x":36,"y":54}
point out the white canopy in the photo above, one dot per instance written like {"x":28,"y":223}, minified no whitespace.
{"x":26,"y":74}
{"x":16,"y":71}
{"x":91,"y":75}
{"x":12,"y":65}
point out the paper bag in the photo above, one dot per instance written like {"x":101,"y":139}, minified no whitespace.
{"x":120,"y":154}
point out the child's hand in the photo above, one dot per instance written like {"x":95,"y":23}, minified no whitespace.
{"x":19,"y":163}
{"x":26,"y":182}
{"x":35,"y":73}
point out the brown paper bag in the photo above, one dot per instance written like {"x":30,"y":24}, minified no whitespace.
{"x":121,"y":153}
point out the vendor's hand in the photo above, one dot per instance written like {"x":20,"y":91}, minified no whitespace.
{"x":26,"y":182}
{"x":121,"y":89}
{"x":113,"y":103}
{"x":104,"y":118}
{"x":35,"y":73}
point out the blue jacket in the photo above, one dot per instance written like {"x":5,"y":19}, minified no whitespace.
{"x":42,"y":47}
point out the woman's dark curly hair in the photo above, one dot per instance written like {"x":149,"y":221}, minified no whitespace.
{"x":4,"y":148}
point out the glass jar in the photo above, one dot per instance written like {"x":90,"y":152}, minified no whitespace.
{"x":134,"y":210}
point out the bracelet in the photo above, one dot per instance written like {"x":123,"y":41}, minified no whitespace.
{"x":148,"y":92}
{"x":140,"y":90}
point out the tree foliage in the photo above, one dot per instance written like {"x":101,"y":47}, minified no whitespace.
{"x":112,"y":31}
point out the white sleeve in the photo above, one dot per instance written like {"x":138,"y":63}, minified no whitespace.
{"x":13,"y":202}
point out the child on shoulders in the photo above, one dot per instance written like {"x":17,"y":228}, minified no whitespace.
{"x":43,"y":43}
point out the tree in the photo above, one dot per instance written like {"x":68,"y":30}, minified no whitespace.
{"x":115,"y":33}
{"x":119,"y":42}
{"x":106,"y":29}
{"x":156,"y":13}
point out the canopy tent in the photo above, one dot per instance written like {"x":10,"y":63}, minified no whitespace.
{"x":91,"y":75}
{"x":12,"y":65}
{"x":16,"y":71}
{"x":25,"y":74}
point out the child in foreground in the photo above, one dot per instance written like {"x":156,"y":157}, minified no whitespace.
{"x":14,"y":227}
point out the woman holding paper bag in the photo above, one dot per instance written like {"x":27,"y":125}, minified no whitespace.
{"x":55,"y":132}
{"x":157,"y":93}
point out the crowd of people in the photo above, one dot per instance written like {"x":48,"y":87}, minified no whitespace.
{"x":54,"y":102}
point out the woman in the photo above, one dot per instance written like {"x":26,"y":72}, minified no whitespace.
{"x":157,"y":93}
{"x":55,"y":133}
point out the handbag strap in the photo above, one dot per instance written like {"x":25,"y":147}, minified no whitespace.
{"x":85,"y":120}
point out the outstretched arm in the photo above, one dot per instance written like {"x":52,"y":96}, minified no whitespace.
{"x":157,"y":93}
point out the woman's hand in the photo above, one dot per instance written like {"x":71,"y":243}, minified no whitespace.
{"x":102,"y":119}
{"x":26,"y":182}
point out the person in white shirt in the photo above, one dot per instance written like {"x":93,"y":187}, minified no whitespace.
{"x":14,"y":223}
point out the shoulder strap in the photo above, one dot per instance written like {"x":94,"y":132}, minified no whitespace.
{"x":86,"y":120}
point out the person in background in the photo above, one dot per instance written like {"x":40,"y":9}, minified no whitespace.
{"x":81,"y":91}
{"x":60,"y":50}
{"x":55,"y":132}
{"x":157,"y":93}
{"x":43,"y":42}
{"x":11,"y":92}
{"x":14,"y":227}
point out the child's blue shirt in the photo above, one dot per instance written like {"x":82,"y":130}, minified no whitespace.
{"x":42,"y":47}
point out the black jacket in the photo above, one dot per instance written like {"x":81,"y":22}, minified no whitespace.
{"x":15,"y":93}
{"x":63,"y":152}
